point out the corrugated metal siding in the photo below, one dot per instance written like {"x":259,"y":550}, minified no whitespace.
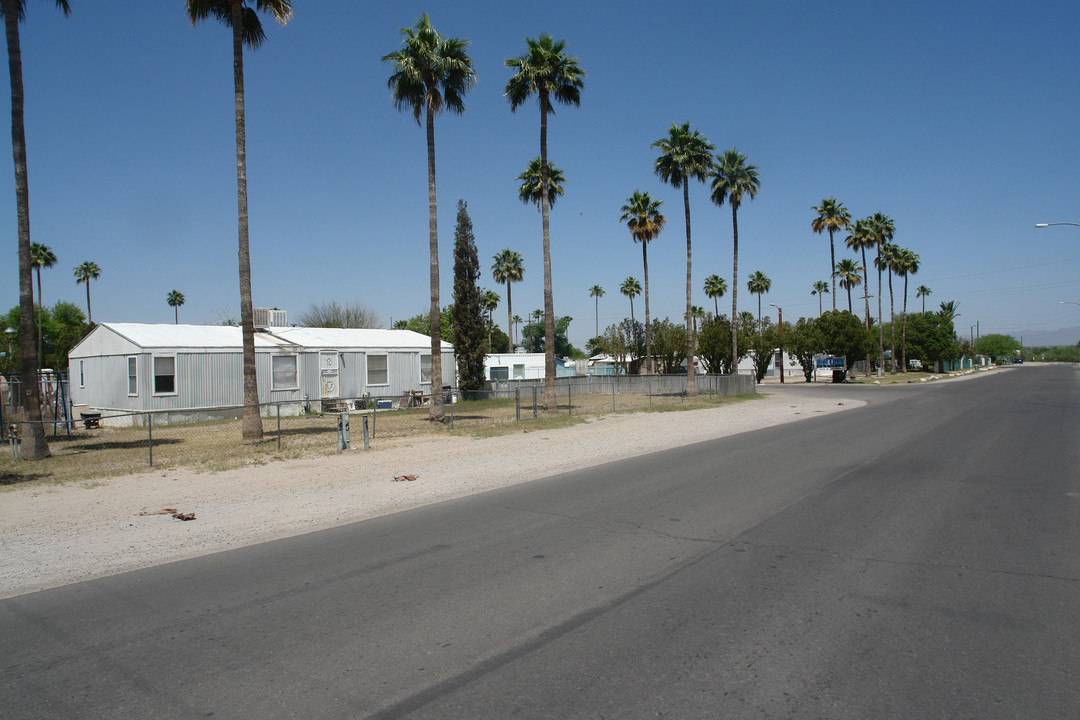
{"x":449,"y":369}
{"x":351,"y":369}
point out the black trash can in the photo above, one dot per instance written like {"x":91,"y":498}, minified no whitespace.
{"x":838,"y":376}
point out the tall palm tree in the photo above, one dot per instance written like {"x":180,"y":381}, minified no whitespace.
{"x":861,"y":238}
{"x":921,"y":292}
{"x":246,"y":30}
{"x":831,"y":216}
{"x":696,"y":312}
{"x":490,"y":301}
{"x":631,"y":288}
{"x":41,"y":256}
{"x":715,"y":288}
{"x":431,"y":75}
{"x":882,"y":230}
{"x":758,"y":284}
{"x":597,"y":292}
{"x":33,"y":445}
{"x":685,"y":155}
{"x":507,"y":267}
{"x":530,"y":191}
{"x":84,"y":273}
{"x":948,"y":310}
{"x":175,"y":300}
{"x":892,"y":259}
{"x":547,"y":71}
{"x":645,"y":221}
{"x":822,"y":288}
{"x":909,"y":265}
{"x":733,"y":180}
{"x":849,"y":273}
{"x":537,"y":316}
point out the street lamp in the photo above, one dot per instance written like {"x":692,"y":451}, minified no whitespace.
{"x":1042,"y":225}
{"x":780,"y":314}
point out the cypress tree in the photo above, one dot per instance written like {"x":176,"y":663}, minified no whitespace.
{"x":470,"y":338}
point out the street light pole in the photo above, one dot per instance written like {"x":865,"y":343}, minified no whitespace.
{"x":780,"y":314}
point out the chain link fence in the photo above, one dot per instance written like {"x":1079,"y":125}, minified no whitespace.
{"x":209,"y":439}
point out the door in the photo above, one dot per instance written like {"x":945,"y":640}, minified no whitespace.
{"x":328,"y":374}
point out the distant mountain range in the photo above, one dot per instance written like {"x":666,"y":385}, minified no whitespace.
{"x":1049,"y":338}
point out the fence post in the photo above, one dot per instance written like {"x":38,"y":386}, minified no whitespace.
{"x":279,"y":426}
{"x":534,"y":401}
{"x":650,"y":392}
{"x":517,"y":404}
{"x":612,"y":397}
{"x":451,"y":408}
{"x":374,"y":412}
{"x":363,"y":422}
{"x":150,"y":436}
{"x":569,"y":398}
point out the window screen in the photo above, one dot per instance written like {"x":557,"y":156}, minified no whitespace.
{"x":133,"y":376}
{"x":425,"y":368}
{"x":284,"y":372}
{"x":164,"y":375}
{"x":376,"y":370}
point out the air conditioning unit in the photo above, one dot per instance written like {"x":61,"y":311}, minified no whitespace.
{"x":268,"y":318}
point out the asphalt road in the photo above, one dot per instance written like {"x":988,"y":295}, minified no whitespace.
{"x":916,"y":558}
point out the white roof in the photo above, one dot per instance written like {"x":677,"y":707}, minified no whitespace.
{"x":357,"y":338}
{"x":163,"y":335}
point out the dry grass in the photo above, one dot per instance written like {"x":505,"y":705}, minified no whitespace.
{"x":216,"y":445}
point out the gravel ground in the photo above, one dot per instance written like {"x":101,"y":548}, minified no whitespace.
{"x":54,"y":535}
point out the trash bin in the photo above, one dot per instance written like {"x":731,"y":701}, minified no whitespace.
{"x":838,"y":376}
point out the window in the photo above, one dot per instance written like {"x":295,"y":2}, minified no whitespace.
{"x":425,"y":368}
{"x":82,"y":375}
{"x":519,"y":371}
{"x":165,"y":375}
{"x":283,"y":375}
{"x":133,"y":376}
{"x":376,"y":370}
{"x":500,"y":372}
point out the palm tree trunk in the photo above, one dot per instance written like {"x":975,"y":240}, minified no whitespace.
{"x":903,"y":333}
{"x":631,"y":310}
{"x":549,"y":303}
{"x":866,"y":301}
{"x":832,"y":272}
{"x":33,"y":445}
{"x":597,"y":330}
{"x":691,"y":384}
{"x":735,"y":291}
{"x":715,"y":306}
{"x":509,"y":316}
{"x":176,"y":315}
{"x":436,"y":413}
{"x":89,"y":315}
{"x":892,"y":324}
{"x":648,"y":338}
{"x":251,"y":429}
{"x":880,"y":327}
{"x":40,"y":315}
{"x":759,"y":312}
{"x":819,"y":301}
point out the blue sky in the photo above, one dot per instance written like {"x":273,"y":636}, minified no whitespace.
{"x":957,"y":119}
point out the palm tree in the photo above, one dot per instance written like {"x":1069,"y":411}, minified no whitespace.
{"x":431,"y":75}
{"x":597,"y":292}
{"x":909,"y":265}
{"x":882,"y":230}
{"x":41,"y":256}
{"x":732,"y":180}
{"x":921,"y":292}
{"x":33,"y":445}
{"x":537,"y":316}
{"x":948,"y":310}
{"x":758,"y":284}
{"x":643,"y":218}
{"x":246,"y":30}
{"x":685,"y":155}
{"x":696,"y":312}
{"x":631,"y":288}
{"x":175,"y":300}
{"x":831,"y":216}
{"x":551,"y":74}
{"x":849,"y":273}
{"x":507,"y":268}
{"x":860,"y":239}
{"x":530,"y":191}
{"x":891,"y":257}
{"x":517,"y":321}
{"x":84,"y":273}
{"x":490,"y":300}
{"x":822,"y":288}
{"x":715,"y":287}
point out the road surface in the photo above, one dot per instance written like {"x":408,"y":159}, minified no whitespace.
{"x":916,"y":558}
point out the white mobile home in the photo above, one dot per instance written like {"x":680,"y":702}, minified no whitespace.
{"x":517,"y":366}
{"x":142,"y":367}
